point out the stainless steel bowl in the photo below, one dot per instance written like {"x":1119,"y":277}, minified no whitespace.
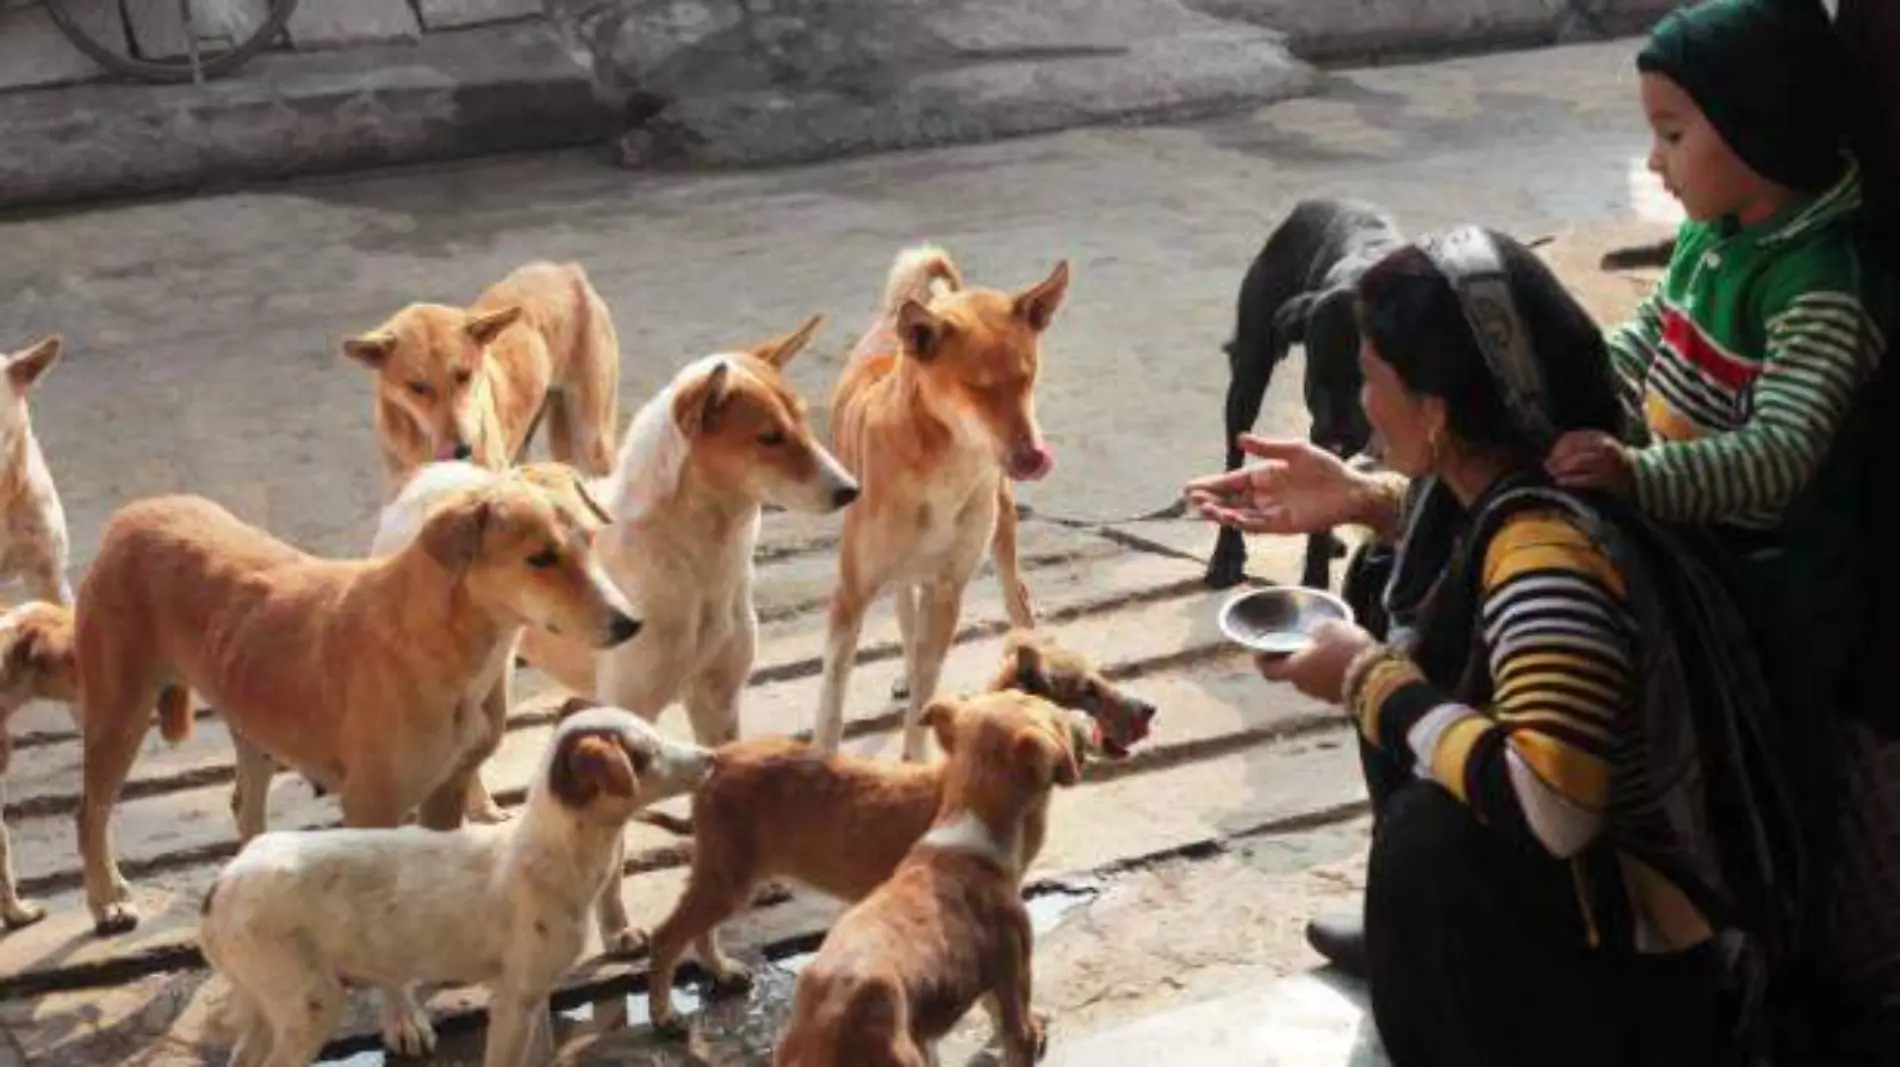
{"x":1279,"y":620}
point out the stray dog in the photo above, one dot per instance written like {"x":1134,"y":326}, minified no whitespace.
{"x":355,"y":673}
{"x":703,"y":456}
{"x":33,"y":547}
{"x":949,"y":928}
{"x":37,"y":663}
{"x":1299,"y":289}
{"x":935,"y":414}
{"x":403,"y":518}
{"x":774,"y":808}
{"x":455,"y":383}
{"x":289,"y":921}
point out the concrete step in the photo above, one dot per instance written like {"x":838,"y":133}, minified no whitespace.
{"x":1308,"y":1020}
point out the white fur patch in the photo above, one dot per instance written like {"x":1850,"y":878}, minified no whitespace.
{"x":967,"y":833}
{"x":651,"y":458}
{"x":403,"y":517}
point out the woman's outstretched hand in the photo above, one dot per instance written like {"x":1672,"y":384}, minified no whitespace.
{"x":1300,"y":489}
{"x":1319,"y":669}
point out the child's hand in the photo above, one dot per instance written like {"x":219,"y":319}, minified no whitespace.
{"x":1591,"y":459}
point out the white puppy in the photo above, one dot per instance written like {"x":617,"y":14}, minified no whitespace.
{"x":299,"y":916}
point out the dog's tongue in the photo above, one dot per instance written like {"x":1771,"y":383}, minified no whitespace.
{"x":446,"y":452}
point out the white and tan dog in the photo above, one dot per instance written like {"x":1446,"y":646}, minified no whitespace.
{"x":702,"y":457}
{"x":402,"y":519}
{"x":935,"y":414}
{"x":298,"y":917}
{"x":33,"y":542}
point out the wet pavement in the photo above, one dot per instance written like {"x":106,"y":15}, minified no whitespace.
{"x":203,"y":357}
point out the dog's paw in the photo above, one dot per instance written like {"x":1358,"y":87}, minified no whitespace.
{"x":737,"y":978}
{"x":19,"y":913}
{"x":627,"y":944}
{"x":114,"y":919}
{"x":671,"y":1026}
{"x":407,"y":1031}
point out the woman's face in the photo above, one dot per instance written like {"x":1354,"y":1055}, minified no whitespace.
{"x":1409,"y":426}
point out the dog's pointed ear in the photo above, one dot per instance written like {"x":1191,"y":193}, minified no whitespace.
{"x":697,"y":407}
{"x":452,"y":535}
{"x":587,"y":765}
{"x":372,"y":349}
{"x":26,"y":366}
{"x":780,"y":350}
{"x":921,"y":330}
{"x":485,"y":326}
{"x":1042,"y":758}
{"x":1029,"y":674}
{"x":1037,"y":304}
{"x":940,"y":717}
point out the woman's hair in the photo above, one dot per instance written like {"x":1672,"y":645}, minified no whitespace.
{"x":1413,"y":319}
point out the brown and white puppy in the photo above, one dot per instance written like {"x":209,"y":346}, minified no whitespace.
{"x":33,"y":542}
{"x":949,"y":928}
{"x":840,"y":824}
{"x":355,"y":673}
{"x":504,"y":906}
{"x":725,"y":437}
{"x":491,"y":694}
{"x":471,"y":383}
{"x":37,"y":663}
{"x":935,"y":414}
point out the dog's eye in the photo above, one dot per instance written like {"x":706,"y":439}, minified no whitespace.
{"x":420,"y":388}
{"x":772,"y":438}
{"x":543,"y":559}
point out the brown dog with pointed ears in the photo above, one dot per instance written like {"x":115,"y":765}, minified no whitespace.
{"x":949,"y":928}
{"x":935,"y":415}
{"x":471,"y":383}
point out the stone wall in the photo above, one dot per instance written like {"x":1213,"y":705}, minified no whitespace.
{"x":33,"y":53}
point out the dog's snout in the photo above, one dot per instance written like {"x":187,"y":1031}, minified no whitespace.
{"x":1144,"y":712}
{"x":843,"y":496}
{"x":462,"y":451}
{"x":622,"y":627}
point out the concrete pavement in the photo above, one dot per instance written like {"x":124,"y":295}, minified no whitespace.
{"x":203,"y":357}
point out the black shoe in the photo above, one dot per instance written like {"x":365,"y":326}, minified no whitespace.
{"x":1342,"y":941}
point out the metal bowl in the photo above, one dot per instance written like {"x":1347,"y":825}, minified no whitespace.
{"x":1280,"y":620}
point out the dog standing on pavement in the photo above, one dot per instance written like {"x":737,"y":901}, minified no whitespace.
{"x":473,"y":383}
{"x":355,"y":673}
{"x":725,"y":437}
{"x":37,"y":663}
{"x":33,"y":542}
{"x":774,"y":808}
{"x":1299,"y":289}
{"x":949,"y":928}
{"x":935,"y":414}
{"x":299,"y":916}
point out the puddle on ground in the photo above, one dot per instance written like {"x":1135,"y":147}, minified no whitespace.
{"x":727,"y":1031}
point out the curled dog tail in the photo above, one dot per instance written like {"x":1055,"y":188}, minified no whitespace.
{"x":174,"y":713}
{"x":920,"y":273}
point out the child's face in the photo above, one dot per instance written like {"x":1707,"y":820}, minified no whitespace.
{"x":1696,"y":165}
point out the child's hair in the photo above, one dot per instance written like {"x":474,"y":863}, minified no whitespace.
{"x":1770,"y":76}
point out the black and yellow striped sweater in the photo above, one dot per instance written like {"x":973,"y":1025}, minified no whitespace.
{"x":1540,"y":760}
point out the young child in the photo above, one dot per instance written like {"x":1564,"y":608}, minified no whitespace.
{"x":1743,"y":369}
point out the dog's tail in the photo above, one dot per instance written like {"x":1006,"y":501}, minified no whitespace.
{"x":174,"y":713}
{"x":921,"y":273}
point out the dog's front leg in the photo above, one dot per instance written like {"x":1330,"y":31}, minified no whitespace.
{"x":406,"y":1027}
{"x":938,"y":607}
{"x":479,"y":805}
{"x":1016,"y":602}
{"x":250,"y":793}
{"x":1020,"y":1027}
{"x":512,"y":1030}
{"x":845,"y":626}
{"x":13,"y":911}
{"x":619,"y":938}
{"x":47,"y":581}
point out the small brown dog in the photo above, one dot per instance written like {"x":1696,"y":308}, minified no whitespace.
{"x":935,"y":415}
{"x":355,"y":673}
{"x":471,"y":383}
{"x":37,"y":663}
{"x":949,"y":928}
{"x":775,"y":808}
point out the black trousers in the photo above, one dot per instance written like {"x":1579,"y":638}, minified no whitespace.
{"x":1477,"y":952}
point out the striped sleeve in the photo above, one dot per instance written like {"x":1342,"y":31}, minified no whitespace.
{"x":1535,"y":763}
{"x":1822,"y":346}
{"x":1633,"y":348}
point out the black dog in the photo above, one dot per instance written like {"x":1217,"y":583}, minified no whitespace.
{"x":1300,"y":290}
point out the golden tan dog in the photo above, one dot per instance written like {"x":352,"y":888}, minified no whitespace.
{"x":935,"y":415}
{"x":37,"y":663}
{"x":355,"y":672}
{"x":471,"y":383}
{"x":949,"y":928}
{"x":841,"y":824}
